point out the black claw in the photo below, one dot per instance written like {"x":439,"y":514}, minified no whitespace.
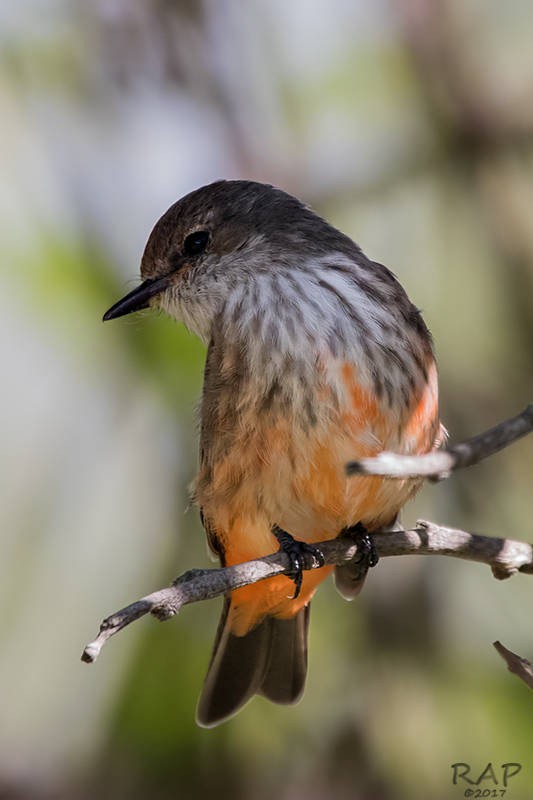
{"x":367,"y":555}
{"x":301,"y":556}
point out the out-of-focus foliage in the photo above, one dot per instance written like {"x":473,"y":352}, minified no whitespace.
{"x":410,"y":126}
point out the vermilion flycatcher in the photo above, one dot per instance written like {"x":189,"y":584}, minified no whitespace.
{"x":315,"y":357}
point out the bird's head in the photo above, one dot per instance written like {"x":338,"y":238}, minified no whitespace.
{"x":211,"y":241}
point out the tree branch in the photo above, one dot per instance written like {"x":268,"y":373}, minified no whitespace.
{"x":504,"y":556}
{"x":516,"y":664}
{"x":441,"y":463}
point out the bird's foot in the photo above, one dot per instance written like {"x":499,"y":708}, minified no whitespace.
{"x":367,"y":555}
{"x":301,"y":556}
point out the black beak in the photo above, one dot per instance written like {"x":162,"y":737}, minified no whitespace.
{"x":137,"y":299}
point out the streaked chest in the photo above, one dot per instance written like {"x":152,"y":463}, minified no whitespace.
{"x":279,"y":451}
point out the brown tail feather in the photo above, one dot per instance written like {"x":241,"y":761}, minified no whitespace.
{"x":270,"y":660}
{"x":348,"y":581}
{"x":284,"y":679}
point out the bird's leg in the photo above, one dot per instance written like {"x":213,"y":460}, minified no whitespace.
{"x":301,"y":556}
{"x":367,"y":555}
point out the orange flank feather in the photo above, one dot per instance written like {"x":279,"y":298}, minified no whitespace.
{"x":278,"y":473}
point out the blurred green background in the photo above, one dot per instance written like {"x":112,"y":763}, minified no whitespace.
{"x":409,"y":125}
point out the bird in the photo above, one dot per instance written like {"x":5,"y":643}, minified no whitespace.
{"x":315,"y":357}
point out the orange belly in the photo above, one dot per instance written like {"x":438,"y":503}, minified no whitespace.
{"x":296,"y":479}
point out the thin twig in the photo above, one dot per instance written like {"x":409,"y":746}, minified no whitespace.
{"x":441,"y":463}
{"x":516,"y":664}
{"x":504,"y":556}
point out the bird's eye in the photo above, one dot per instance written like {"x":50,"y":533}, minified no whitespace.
{"x":195,"y":243}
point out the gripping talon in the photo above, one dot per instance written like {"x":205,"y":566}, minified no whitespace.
{"x":301,"y":556}
{"x":367,"y":555}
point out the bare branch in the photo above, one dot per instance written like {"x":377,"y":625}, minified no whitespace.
{"x":504,"y":556}
{"x":441,"y":463}
{"x":516,"y":664}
